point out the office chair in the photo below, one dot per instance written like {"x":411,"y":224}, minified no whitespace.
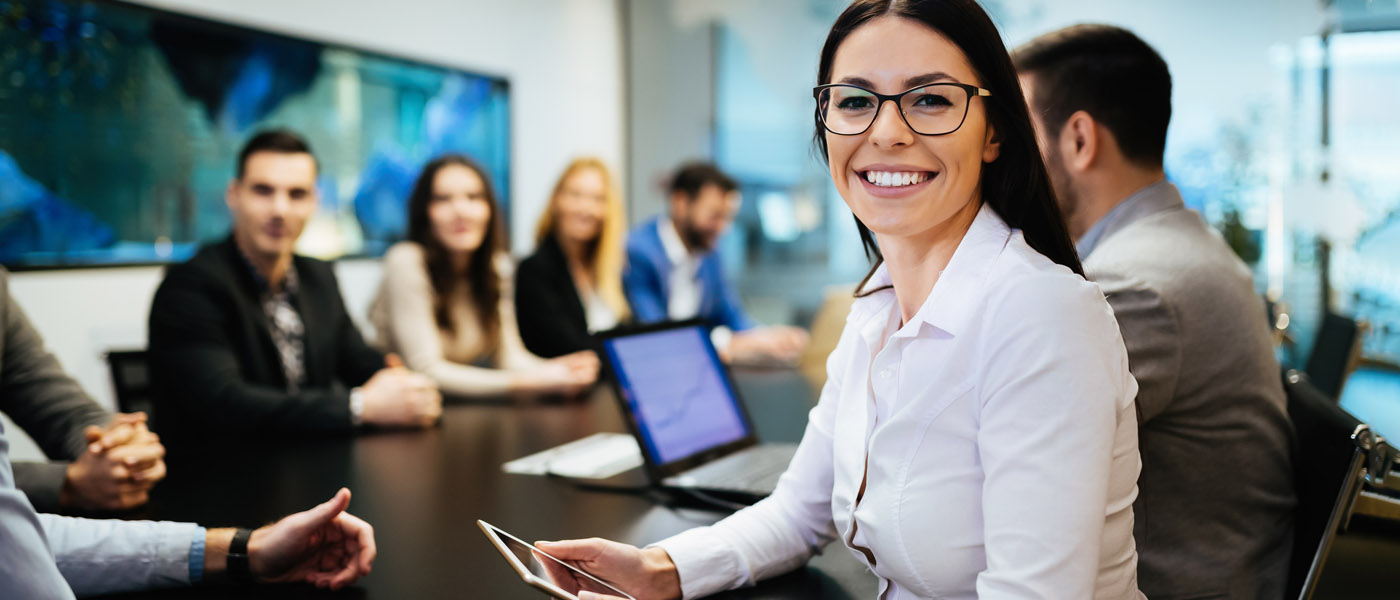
{"x":1332,"y":455}
{"x":131,"y":382}
{"x":1334,"y":353}
{"x":826,"y":332}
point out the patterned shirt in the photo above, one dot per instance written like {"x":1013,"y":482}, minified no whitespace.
{"x":284,"y":323}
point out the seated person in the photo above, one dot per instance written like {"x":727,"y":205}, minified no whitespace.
{"x":1215,"y":513}
{"x":572,"y":285}
{"x":249,"y":337}
{"x":673,"y":271}
{"x":106,"y":461}
{"x":47,"y":556}
{"x":976,"y":436}
{"x":444,"y":304}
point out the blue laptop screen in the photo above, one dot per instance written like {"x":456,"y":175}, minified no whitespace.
{"x":674,"y":384}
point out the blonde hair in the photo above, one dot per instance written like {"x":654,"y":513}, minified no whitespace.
{"x":608,"y":252}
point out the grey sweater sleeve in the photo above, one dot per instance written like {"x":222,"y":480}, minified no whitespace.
{"x":42,"y":400}
{"x":42,"y":482}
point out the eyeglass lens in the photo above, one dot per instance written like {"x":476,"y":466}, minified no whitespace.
{"x":930,"y":110}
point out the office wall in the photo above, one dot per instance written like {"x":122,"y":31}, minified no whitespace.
{"x":564,"y":62}
{"x":670,"y":96}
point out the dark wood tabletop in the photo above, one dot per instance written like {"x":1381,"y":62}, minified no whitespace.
{"x":423,"y":492}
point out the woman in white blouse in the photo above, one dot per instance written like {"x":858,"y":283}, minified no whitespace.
{"x":444,"y":303}
{"x":976,"y":437}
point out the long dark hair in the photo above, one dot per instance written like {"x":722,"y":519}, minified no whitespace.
{"x":483,"y":282}
{"x":1015,"y":184}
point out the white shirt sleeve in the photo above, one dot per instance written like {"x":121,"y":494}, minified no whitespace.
{"x":779,"y":533}
{"x":1048,"y":423}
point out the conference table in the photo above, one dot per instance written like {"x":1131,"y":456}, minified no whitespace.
{"x":423,"y":492}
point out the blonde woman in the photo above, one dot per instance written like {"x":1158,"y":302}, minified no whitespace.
{"x":572,"y":285}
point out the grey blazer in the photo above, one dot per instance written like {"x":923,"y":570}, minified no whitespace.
{"x":43,"y":401}
{"x":1214,"y":515}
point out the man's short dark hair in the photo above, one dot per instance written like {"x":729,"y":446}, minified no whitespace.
{"x":282,"y":141}
{"x":1109,"y":73}
{"x":693,"y":177}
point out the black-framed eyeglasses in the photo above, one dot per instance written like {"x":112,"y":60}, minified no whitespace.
{"x":933,"y":109}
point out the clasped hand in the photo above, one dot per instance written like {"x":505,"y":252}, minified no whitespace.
{"x":117,"y":470}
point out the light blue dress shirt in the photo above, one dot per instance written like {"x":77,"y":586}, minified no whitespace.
{"x":1144,"y":201}
{"x":47,"y":556}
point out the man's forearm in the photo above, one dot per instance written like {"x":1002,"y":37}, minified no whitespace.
{"x":216,"y":543}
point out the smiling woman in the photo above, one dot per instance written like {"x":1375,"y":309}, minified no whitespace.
{"x":977,"y":368}
{"x":445,"y":305}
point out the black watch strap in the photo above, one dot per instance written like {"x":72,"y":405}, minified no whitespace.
{"x":237,"y":565}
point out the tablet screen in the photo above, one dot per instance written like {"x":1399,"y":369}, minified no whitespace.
{"x":545,"y":568}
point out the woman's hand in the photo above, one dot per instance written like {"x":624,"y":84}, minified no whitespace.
{"x":645,"y":574}
{"x":568,"y":374}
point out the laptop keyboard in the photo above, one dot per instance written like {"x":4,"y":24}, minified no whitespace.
{"x":753,"y":471}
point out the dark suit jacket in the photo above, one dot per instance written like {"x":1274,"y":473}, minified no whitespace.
{"x":547,"y":306}
{"x":214,"y":366}
{"x":44,"y":401}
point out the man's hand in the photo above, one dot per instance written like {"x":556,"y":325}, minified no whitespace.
{"x":780,"y":343}
{"x":325,"y":546}
{"x":397,"y":397}
{"x":643,"y":573}
{"x":121,"y":464}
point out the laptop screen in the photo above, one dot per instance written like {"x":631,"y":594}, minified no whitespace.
{"x":674,"y":384}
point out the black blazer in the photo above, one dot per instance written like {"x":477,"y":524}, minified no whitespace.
{"x":214,"y":366}
{"x":547,"y":306}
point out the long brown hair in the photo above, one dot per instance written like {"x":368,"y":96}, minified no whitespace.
{"x":606,"y":254}
{"x":482,"y":280}
{"x":1016,"y":185}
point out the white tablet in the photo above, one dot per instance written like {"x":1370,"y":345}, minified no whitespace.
{"x":551,"y":575}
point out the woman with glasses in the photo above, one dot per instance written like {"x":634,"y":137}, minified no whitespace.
{"x":444,"y":304}
{"x":976,"y":437}
{"x":572,"y":285}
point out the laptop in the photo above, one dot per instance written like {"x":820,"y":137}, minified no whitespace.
{"x":680,"y":403}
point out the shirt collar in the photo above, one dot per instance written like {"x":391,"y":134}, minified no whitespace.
{"x":290,"y":283}
{"x":1146,"y":201}
{"x":671,"y":241}
{"x":954,"y":300}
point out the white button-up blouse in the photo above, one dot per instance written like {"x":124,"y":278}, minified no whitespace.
{"x":995,"y":433}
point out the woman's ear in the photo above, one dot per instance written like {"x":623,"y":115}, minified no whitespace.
{"x":991,"y":146}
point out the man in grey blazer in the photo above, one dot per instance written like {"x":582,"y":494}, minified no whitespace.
{"x":102,"y":461}
{"x":1214,"y":514}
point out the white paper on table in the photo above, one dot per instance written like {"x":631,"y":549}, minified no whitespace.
{"x":597,"y":456}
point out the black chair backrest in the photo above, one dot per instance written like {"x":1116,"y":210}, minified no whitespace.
{"x":1327,"y":465}
{"x":131,"y":381}
{"x":1331,"y":353}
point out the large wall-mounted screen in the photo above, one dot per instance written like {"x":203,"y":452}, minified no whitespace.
{"x":120,"y":126}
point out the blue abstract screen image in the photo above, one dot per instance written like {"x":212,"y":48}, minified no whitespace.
{"x":120,"y":126}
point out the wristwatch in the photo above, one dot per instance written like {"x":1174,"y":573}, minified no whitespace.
{"x":237,"y":561}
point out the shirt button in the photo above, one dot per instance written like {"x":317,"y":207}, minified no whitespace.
{"x":886,"y":373}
